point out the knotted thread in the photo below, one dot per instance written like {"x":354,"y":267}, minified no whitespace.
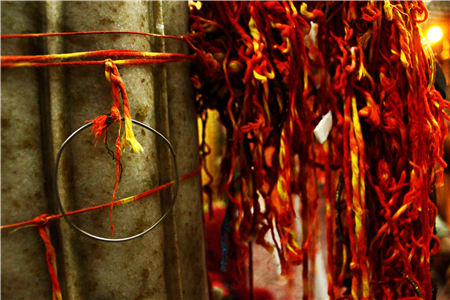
{"x":42,"y":226}
{"x":101,"y":124}
{"x":41,"y":222}
{"x":272,"y":69}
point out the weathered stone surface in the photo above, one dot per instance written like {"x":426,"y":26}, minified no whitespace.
{"x":42,"y":106}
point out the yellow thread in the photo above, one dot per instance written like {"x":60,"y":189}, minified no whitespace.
{"x":388,"y":10}
{"x":260,"y":77}
{"x":359,"y":218}
{"x":293,"y":8}
{"x":253,"y":31}
{"x":125,"y":200}
{"x":305,"y":13}
{"x":404,"y":37}
{"x":355,"y":202}
{"x":400,"y":211}
{"x":129,"y":138}
{"x":288,"y":46}
{"x":404,"y":60}
{"x":17,"y":65}
{"x":108,"y":72}
{"x":64,"y":56}
{"x":270,"y":75}
{"x":20,"y":227}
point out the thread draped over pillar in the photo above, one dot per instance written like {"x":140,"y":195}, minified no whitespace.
{"x":272,"y":70}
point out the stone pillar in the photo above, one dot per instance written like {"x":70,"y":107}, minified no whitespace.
{"x":42,"y":106}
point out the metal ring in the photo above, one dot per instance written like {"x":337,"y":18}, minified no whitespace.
{"x":119,"y":239}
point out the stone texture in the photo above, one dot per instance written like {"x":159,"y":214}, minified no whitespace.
{"x":42,"y":106}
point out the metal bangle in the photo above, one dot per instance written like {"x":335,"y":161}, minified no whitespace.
{"x":118,"y":239}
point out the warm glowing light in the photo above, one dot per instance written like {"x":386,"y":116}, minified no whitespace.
{"x":434,"y":34}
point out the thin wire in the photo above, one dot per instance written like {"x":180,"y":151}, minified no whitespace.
{"x":113,"y":155}
{"x":103,"y":239}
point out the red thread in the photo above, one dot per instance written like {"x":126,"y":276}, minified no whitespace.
{"x":125,"y":62}
{"x":99,"y":53}
{"x":28,"y":35}
{"x":118,"y":202}
{"x":42,"y":226}
{"x":366,"y":64}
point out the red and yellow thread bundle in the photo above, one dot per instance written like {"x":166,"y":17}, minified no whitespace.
{"x":272,"y":80}
{"x":101,"y":124}
{"x":41,"y":222}
{"x":273,"y":69}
